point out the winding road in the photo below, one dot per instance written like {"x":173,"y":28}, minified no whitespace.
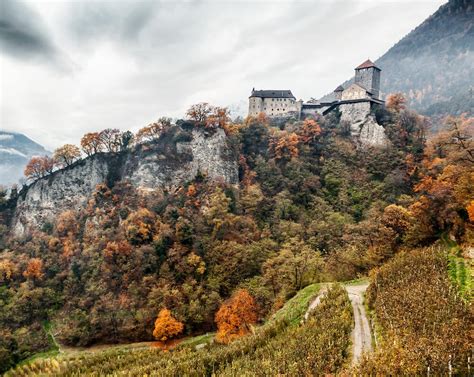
{"x":361,"y":335}
{"x":315,"y":302}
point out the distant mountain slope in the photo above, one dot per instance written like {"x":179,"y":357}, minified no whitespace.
{"x":434,"y":64}
{"x":15,"y":151}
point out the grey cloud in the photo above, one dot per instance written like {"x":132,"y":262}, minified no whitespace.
{"x":138,"y":60}
{"x":122,"y":21}
{"x":22,"y":32}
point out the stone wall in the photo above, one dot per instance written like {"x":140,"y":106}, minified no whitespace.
{"x":354,"y":91}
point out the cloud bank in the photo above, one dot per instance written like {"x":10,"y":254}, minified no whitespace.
{"x":76,"y":66}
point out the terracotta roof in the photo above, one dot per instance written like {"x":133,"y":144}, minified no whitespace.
{"x":339,"y":89}
{"x":367,"y":64}
{"x":272,"y":94}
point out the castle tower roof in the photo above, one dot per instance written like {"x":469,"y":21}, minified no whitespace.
{"x":368,"y":64}
{"x":339,"y":89}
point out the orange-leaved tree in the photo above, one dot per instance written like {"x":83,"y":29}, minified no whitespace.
{"x":153,"y":130}
{"x":39,"y":167}
{"x":470,"y":211}
{"x":310,"y":131}
{"x":91,"y":143}
{"x":66,"y":155}
{"x":236,"y":316}
{"x":396,"y":102}
{"x":166,"y":326}
{"x":218,"y":118}
{"x":34,"y":269}
{"x":286,"y":146}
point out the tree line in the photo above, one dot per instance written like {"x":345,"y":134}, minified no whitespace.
{"x":112,"y":140}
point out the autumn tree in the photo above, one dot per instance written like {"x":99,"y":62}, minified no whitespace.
{"x":8,"y":270}
{"x":217,"y":118}
{"x":166,"y":326}
{"x":286,"y":146}
{"x":470,"y":211}
{"x":154,"y":130}
{"x":34,"y":269}
{"x":111,"y":139}
{"x":66,"y":155}
{"x":39,"y":167}
{"x":91,"y":143}
{"x":236,"y":316}
{"x":67,"y":224}
{"x":396,"y":102}
{"x":140,"y":226}
{"x":397,"y":218}
{"x":310,"y":131}
{"x":457,"y":141}
{"x":199,"y":112}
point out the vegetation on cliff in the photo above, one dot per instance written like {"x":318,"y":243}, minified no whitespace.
{"x":311,"y":206}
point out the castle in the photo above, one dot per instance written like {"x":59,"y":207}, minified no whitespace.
{"x":364,"y":93}
{"x":356,"y":104}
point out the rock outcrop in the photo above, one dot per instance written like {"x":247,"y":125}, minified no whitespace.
{"x":177,"y":157}
{"x":364,"y":128}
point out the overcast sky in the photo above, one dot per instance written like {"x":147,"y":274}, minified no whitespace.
{"x":70,"y":67}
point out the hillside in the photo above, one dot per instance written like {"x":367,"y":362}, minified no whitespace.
{"x":434,"y":64}
{"x":15,"y":151}
{"x":208,"y":225}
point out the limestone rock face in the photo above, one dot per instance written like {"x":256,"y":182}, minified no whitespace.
{"x":63,"y":190}
{"x":363,"y":126}
{"x":175,"y":158}
{"x":169,"y":164}
{"x":372,"y":134}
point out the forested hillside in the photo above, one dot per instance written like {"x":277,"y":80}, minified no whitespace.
{"x":434,"y":64}
{"x":311,"y":205}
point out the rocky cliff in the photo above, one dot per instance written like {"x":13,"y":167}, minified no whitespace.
{"x":178,"y":156}
{"x":364,"y":128}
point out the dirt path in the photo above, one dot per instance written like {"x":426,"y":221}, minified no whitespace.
{"x":361,"y":337}
{"x":315,"y":302}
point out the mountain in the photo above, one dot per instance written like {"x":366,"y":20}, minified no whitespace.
{"x":434,"y":64}
{"x":15,"y":151}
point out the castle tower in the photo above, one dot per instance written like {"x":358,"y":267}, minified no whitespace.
{"x":368,"y":75}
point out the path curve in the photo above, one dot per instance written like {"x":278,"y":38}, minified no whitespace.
{"x":361,"y":335}
{"x":315,"y":302}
